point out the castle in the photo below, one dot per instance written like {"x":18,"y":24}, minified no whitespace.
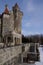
{"x":12,"y":51}
{"x":10,"y":26}
{"x":10,"y":35}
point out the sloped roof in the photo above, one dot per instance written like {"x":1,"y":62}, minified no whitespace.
{"x":6,"y":11}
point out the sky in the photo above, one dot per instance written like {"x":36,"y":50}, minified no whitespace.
{"x":32,"y":20}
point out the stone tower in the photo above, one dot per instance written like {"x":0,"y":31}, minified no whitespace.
{"x":7,"y":25}
{"x":17,"y":18}
{"x":5,"y":20}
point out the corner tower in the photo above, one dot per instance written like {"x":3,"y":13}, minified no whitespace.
{"x":17,"y":18}
{"x":5,"y":20}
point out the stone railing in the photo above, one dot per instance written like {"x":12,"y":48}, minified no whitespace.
{"x":27,"y":45}
{"x":26,"y":48}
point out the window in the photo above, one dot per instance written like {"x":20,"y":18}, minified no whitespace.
{"x":16,"y":14}
{"x":10,"y":39}
{"x":15,"y":10}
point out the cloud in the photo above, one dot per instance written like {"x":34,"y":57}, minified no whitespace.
{"x":37,"y":33}
{"x":30,"y":6}
{"x":27,"y":24}
{"x":33,"y":23}
{"x":24,"y":32}
{"x":32,"y":33}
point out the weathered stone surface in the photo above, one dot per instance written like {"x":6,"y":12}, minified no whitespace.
{"x":10,"y":31}
{"x":9,"y":53}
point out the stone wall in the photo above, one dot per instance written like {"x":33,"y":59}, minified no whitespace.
{"x":0,"y":38}
{"x":7,"y":54}
{"x":8,"y":23}
{"x":0,"y":30}
{"x":12,"y":54}
{"x":0,"y":26}
{"x":17,"y":19}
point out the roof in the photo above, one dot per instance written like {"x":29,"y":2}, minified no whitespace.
{"x":16,"y":6}
{"x":6,"y":11}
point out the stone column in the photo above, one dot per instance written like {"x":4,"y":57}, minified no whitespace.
{"x":21,"y":58}
{"x":6,"y":42}
{"x":13,"y":39}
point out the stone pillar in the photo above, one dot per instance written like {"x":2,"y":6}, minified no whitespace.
{"x":13,"y":43}
{"x":15,"y":40}
{"x":6,"y":42}
{"x":21,"y":58}
{"x":20,"y":41}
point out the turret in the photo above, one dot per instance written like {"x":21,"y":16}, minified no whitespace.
{"x":5,"y":20}
{"x":6,"y":11}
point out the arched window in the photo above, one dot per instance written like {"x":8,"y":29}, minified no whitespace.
{"x":10,"y":39}
{"x":15,"y":10}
